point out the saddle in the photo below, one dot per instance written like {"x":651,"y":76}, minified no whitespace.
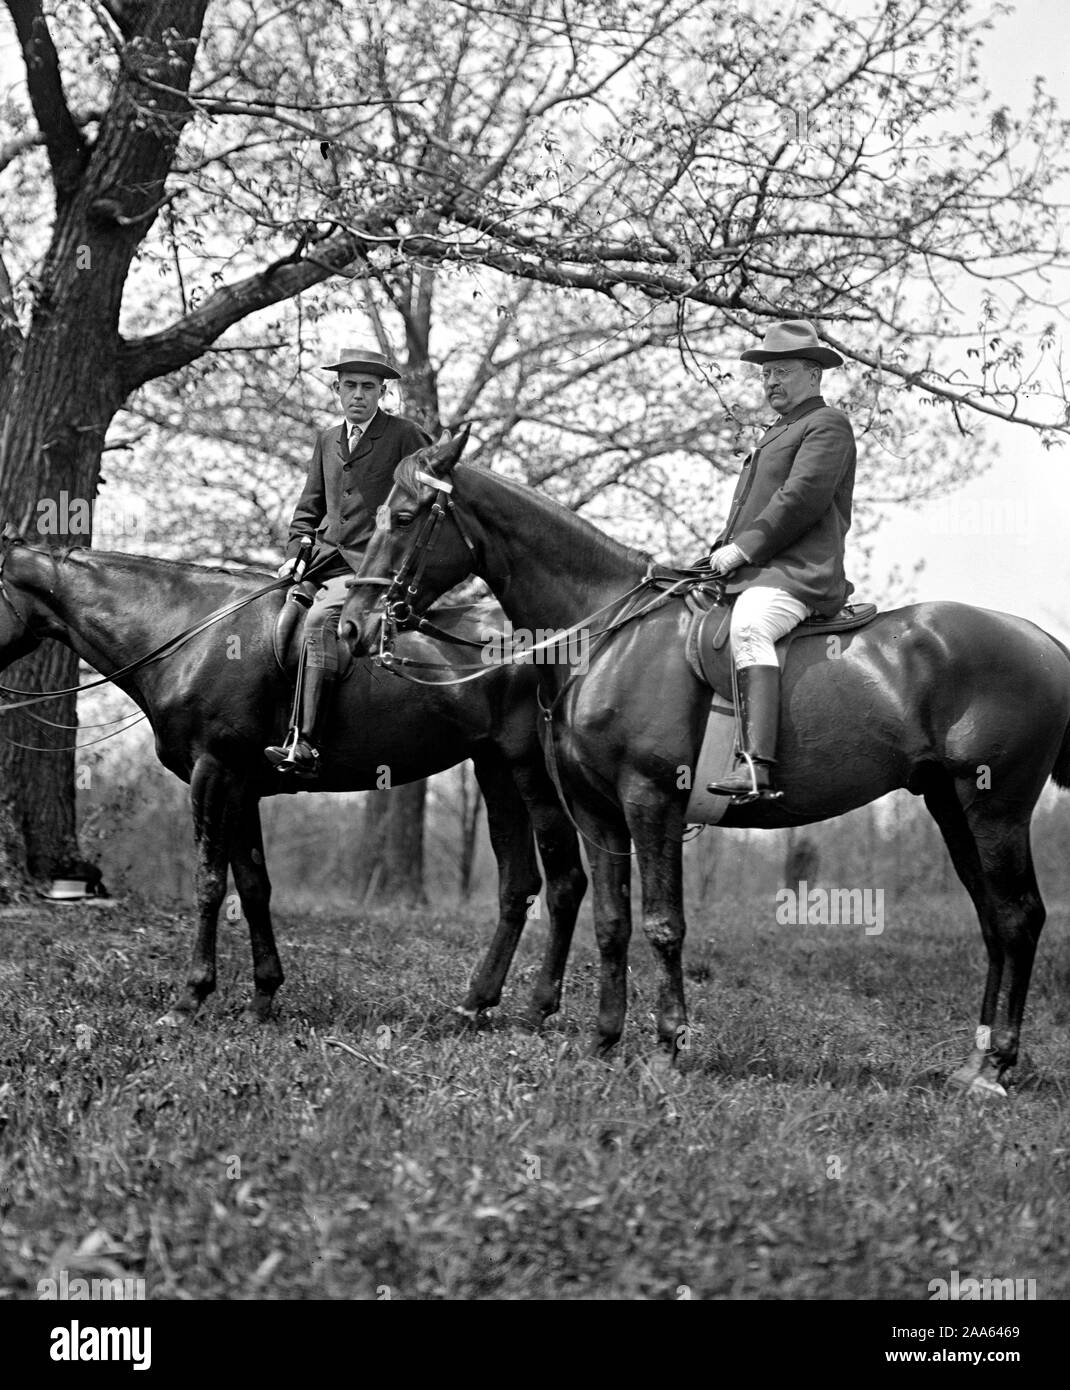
{"x":709,"y":656}
{"x":288,"y":633}
{"x":708,"y":651}
{"x":473,"y":624}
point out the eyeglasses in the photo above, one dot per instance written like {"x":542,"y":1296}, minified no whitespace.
{"x":782,"y":372}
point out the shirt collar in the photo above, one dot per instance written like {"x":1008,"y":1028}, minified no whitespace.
{"x":360,"y":429}
{"x":803,"y":408}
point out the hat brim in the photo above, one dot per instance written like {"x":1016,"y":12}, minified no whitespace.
{"x":824,"y":357}
{"x":358,"y":364}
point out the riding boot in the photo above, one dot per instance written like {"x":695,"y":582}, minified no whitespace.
{"x":300,"y":754}
{"x":759,"y":698}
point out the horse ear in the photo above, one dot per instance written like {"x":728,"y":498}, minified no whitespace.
{"x":456,"y":449}
{"x":449,"y":449}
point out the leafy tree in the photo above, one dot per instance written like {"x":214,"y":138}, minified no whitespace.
{"x":691,"y":167}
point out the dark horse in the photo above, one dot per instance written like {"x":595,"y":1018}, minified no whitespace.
{"x":219,"y":699}
{"x":967,"y":708}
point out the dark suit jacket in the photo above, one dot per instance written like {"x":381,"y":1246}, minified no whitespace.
{"x":342,"y":492}
{"x":792,"y":507}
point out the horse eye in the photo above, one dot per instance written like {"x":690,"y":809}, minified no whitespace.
{"x":404,"y":518}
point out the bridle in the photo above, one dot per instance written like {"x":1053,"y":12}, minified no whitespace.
{"x":399,"y":610}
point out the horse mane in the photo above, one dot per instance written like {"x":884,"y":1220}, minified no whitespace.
{"x":584,"y":532}
{"x":405,"y":472}
{"x":130,"y":558}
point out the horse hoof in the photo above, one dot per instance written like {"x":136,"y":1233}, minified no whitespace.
{"x":977,"y":1077}
{"x":985,"y":1086}
{"x":173,"y":1018}
{"x":470,"y":1017}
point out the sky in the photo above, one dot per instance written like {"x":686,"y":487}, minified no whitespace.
{"x":1003,"y":541}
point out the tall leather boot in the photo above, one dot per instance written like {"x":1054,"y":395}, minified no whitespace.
{"x":759,"y":698}
{"x":300,"y":754}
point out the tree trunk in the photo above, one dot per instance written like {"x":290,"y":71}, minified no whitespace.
{"x":63,"y":381}
{"x":391,"y":846}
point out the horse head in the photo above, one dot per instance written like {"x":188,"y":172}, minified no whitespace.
{"x":16,"y":639}
{"x":419,"y":549}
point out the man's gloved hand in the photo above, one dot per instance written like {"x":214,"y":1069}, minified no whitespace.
{"x":287,"y":567}
{"x":727,"y":558}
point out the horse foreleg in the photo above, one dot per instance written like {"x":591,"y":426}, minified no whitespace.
{"x":211,"y":801}
{"x":518,"y":879}
{"x":990,"y":851}
{"x":657,"y":828}
{"x":608,"y":850}
{"x":566,"y":883}
{"x":254,"y":890}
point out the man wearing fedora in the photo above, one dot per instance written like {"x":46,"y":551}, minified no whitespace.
{"x":781,"y":551}
{"x":349,"y":478}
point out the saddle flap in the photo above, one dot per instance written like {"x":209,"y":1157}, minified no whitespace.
{"x":288,"y":634}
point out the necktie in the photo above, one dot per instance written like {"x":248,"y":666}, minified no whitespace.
{"x":355,"y":432}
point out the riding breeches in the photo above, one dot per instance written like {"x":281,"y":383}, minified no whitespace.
{"x":321,"y":625}
{"x":759,"y":617}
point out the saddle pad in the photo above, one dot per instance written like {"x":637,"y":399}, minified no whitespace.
{"x":716,"y":758}
{"x":707,"y":638}
{"x":289,"y":632}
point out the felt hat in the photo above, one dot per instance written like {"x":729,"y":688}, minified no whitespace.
{"x":359,"y":359}
{"x":792,"y":338}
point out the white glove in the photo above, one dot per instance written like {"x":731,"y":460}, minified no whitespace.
{"x":727,"y":558}
{"x":287,"y":567}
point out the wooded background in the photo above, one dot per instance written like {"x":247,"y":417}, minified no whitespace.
{"x":563,"y":220}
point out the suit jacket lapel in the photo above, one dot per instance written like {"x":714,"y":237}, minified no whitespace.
{"x":339,"y":435}
{"x":367,"y":474}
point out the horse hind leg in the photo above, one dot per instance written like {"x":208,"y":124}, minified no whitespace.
{"x":254,"y":890}
{"x":518,"y":879}
{"x":566,"y":883}
{"x":210,"y":799}
{"x":989,"y":846}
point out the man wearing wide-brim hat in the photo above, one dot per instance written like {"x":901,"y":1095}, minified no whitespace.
{"x":349,"y":478}
{"x":782,"y":548}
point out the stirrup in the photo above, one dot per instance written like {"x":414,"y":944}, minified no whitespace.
{"x":281,"y":755}
{"x":754,"y":792}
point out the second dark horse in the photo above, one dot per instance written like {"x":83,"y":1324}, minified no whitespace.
{"x":216,"y":701}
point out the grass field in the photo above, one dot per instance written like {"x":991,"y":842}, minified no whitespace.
{"x":808,"y":1149}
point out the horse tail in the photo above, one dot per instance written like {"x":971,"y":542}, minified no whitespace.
{"x":1060,"y":773}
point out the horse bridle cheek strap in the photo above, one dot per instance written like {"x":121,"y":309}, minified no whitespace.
{"x":401,"y":595}
{"x":9,"y":601}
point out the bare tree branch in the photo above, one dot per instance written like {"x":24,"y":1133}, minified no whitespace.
{"x":67,"y":150}
{"x":143,"y":359}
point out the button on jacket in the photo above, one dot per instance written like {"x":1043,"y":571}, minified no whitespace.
{"x":792,"y":507}
{"x":344,"y":490}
